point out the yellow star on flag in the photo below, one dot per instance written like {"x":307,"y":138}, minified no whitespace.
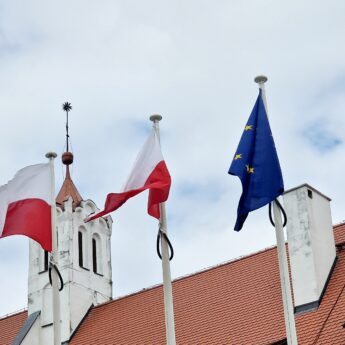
{"x":238,"y":156}
{"x":248,"y":128}
{"x":250,"y":170}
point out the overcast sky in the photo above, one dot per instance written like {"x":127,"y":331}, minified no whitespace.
{"x":194,"y":62}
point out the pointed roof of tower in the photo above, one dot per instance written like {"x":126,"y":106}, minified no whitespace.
{"x":68,"y":189}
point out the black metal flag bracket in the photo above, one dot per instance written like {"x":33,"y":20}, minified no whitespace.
{"x":281,"y":209}
{"x":51,"y":267}
{"x":161,"y":234}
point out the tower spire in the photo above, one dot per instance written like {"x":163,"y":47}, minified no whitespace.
{"x":68,"y":189}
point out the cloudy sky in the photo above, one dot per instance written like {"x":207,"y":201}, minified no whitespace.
{"x":194,"y":62}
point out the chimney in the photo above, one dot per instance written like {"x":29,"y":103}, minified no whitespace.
{"x":311,"y":244}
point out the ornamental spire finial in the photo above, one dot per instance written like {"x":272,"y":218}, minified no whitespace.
{"x":67,"y":107}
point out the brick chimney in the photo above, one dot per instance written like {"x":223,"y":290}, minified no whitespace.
{"x":311,"y":244}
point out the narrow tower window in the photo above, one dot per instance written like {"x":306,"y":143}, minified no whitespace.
{"x":43,"y":261}
{"x":80,"y":247}
{"x":83,"y":250}
{"x":97,"y":254}
{"x":46,"y":260}
{"x":94,"y":255}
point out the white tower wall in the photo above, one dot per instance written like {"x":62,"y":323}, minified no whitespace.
{"x":82,"y":286}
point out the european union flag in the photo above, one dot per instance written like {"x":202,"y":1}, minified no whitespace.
{"x":256,"y":164}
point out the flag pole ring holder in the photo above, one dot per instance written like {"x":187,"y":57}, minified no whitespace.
{"x":51,"y":266}
{"x":281,"y":209}
{"x":166,"y":238}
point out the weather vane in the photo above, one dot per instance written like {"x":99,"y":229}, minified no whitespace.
{"x":67,"y":108}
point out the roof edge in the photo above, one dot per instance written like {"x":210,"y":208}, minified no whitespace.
{"x":24,"y":330}
{"x":79,"y":324}
{"x":306,"y":185}
{"x":15,"y":313}
{"x":342,"y":223}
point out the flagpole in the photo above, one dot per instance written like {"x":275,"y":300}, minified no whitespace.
{"x":289,"y":316}
{"x":167,"y":286}
{"x":53,"y":259}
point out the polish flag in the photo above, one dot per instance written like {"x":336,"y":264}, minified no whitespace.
{"x":25,"y":205}
{"x":149,"y":172}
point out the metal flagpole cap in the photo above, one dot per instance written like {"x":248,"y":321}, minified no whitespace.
{"x":155,"y":117}
{"x":260,"y":79}
{"x":51,"y":155}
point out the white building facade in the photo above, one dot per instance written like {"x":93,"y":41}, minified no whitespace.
{"x":84,"y":261}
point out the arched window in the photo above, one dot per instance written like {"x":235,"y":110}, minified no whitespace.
{"x":96,"y":254}
{"x":83,"y":242}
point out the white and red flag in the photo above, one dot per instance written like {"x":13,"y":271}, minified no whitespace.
{"x":25,"y":205}
{"x":149,"y":172}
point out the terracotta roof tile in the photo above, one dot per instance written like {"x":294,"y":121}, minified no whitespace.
{"x":339,"y":233}
{"x":10,"y":326}
{"x":237,"y":303}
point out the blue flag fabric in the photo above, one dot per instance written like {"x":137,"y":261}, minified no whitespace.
{"x":256,"y":164}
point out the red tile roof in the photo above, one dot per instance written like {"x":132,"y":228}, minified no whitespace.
{"x":237,"y":303}
{"x":10,"y":326}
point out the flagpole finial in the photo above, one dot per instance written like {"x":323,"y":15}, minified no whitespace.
{"x":51,"y":155}
{"x":155,"y":118}
{"x":260,"y":79}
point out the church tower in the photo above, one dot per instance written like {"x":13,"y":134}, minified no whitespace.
{"x":84,"y":261}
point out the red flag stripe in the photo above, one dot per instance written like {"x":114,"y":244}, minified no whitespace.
{"x":158,"y":183}
{"x":32,"y":218}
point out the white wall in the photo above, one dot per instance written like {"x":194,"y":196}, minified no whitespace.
{"x":310,"y":241}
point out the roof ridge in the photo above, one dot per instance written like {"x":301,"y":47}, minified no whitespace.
{"x":15,"y":313}
{"x":339,"y":224}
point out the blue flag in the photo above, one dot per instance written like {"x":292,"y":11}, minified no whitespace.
{"x":256,"y":164}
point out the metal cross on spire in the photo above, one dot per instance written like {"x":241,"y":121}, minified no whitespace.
{"x":67,"y":107}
